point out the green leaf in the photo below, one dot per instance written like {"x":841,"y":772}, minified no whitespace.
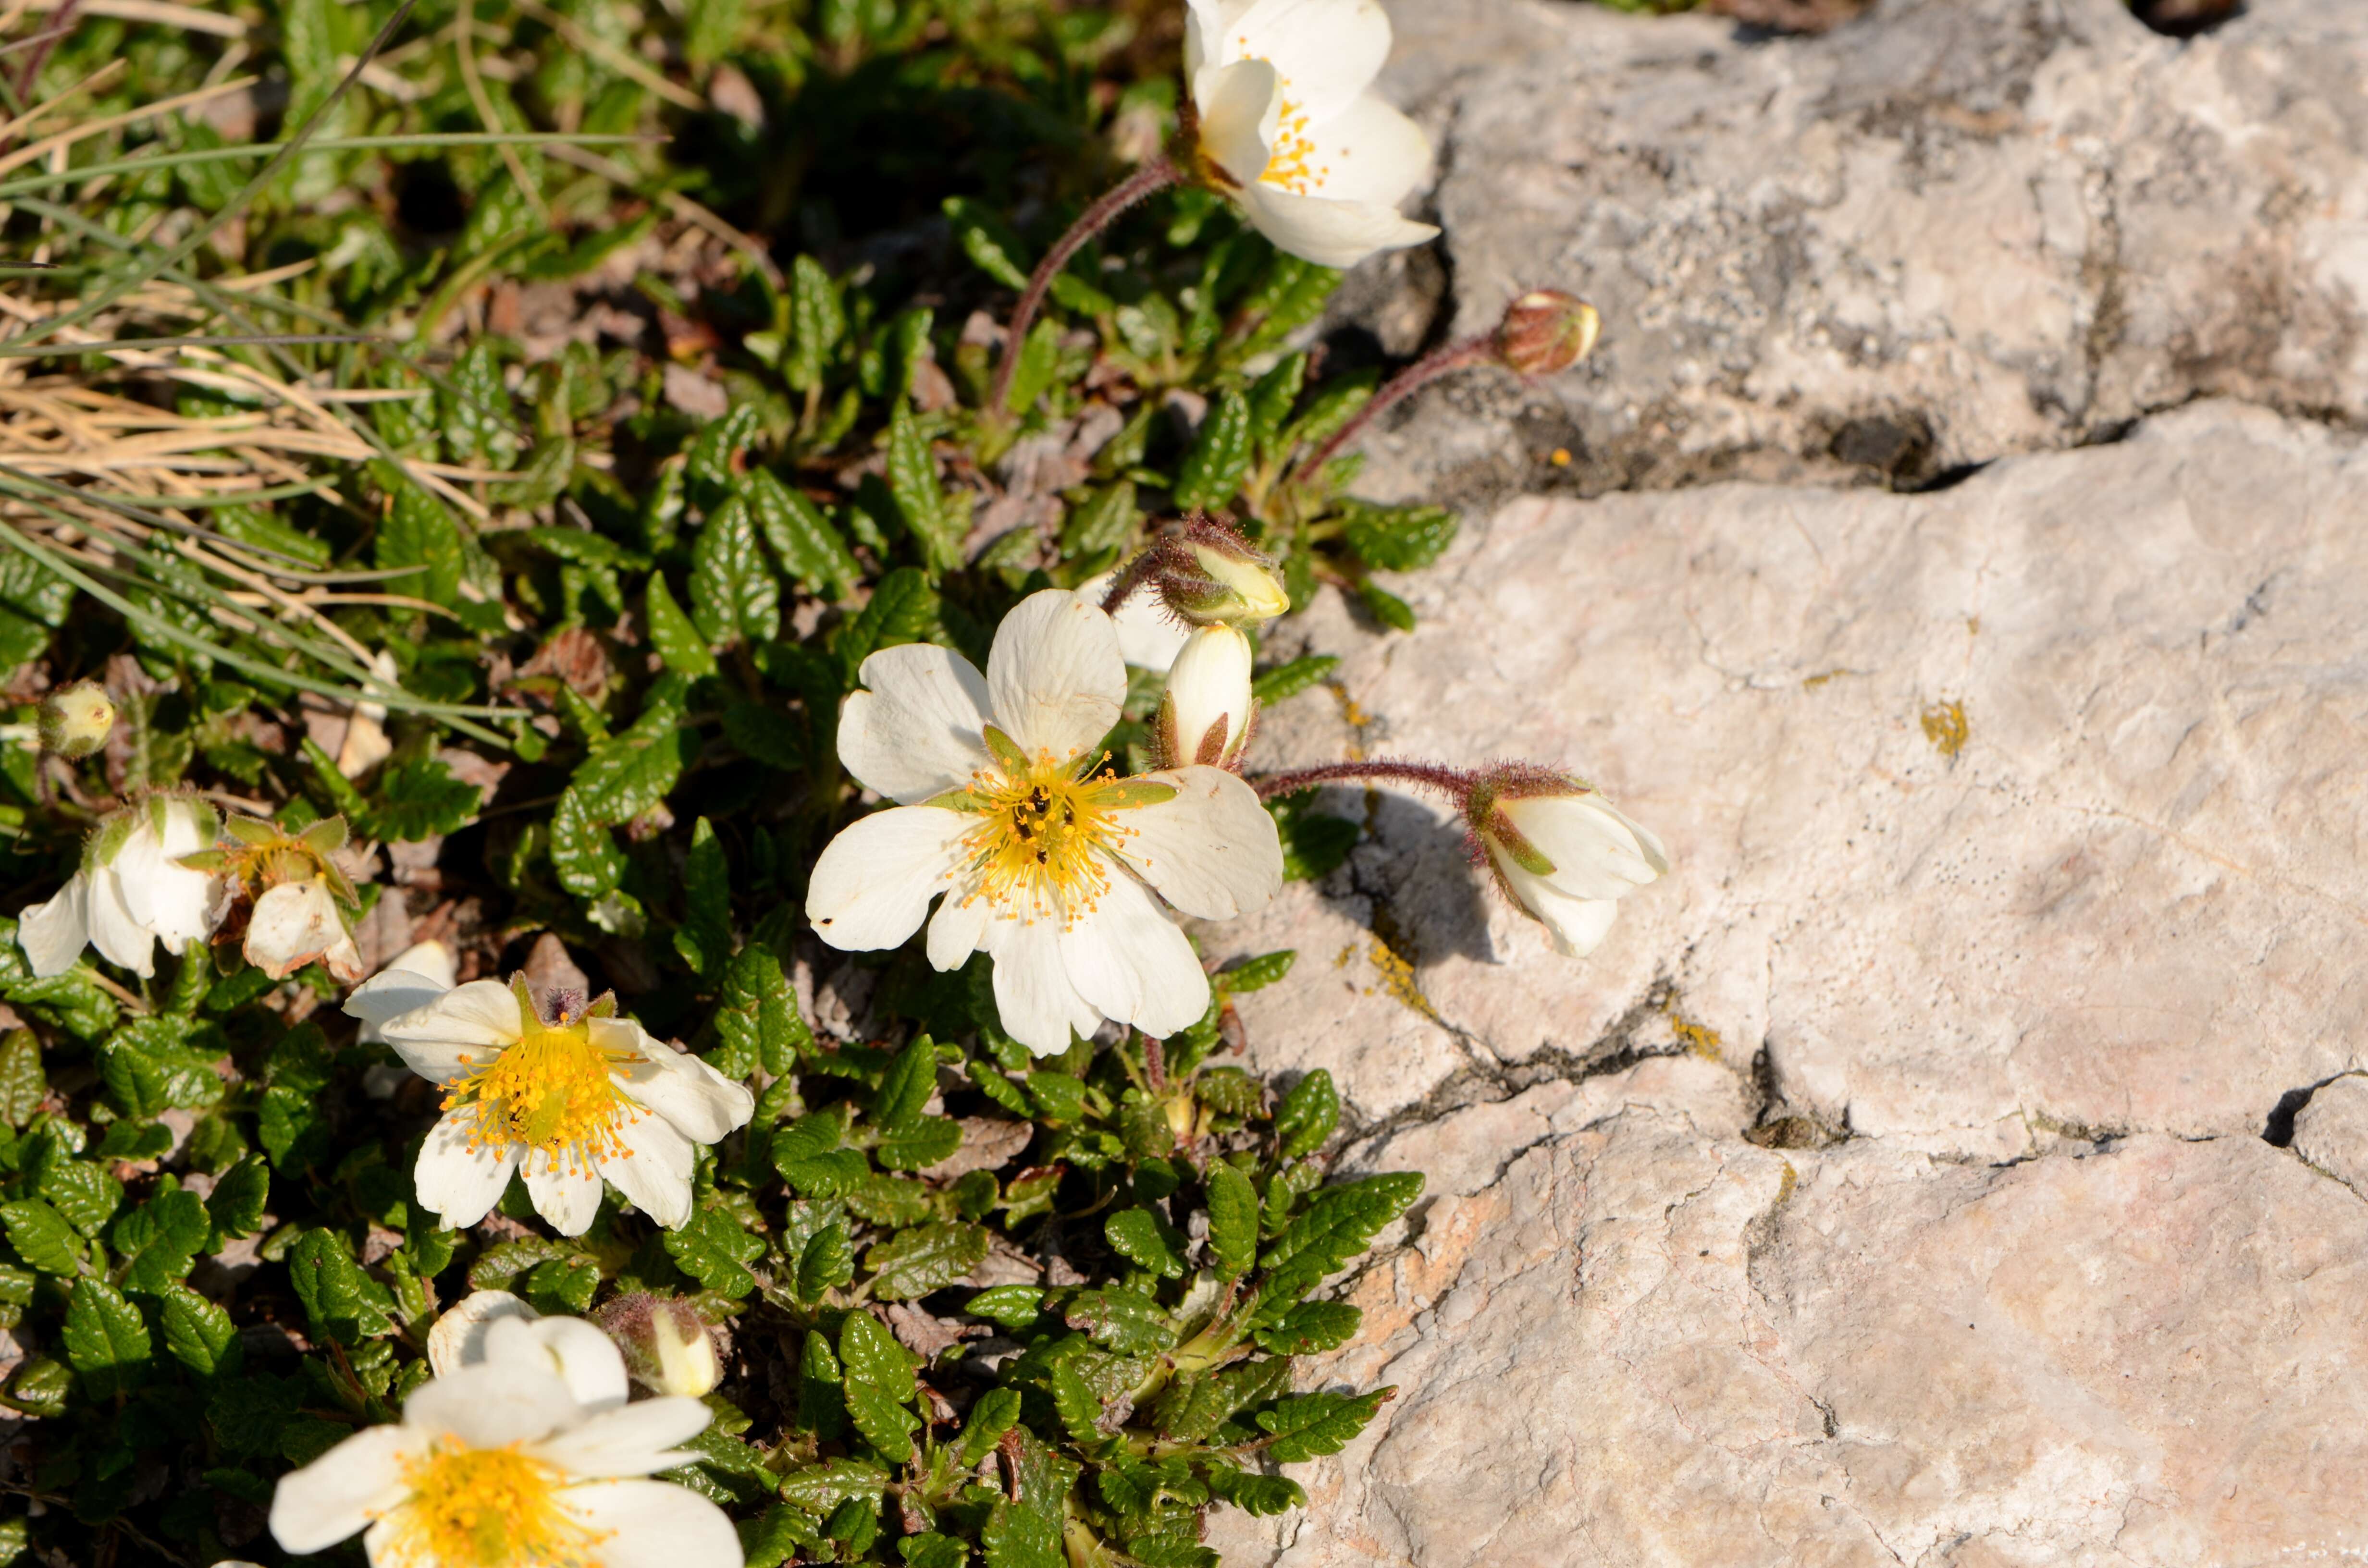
{"x":584,"y":853}
{"x":819,"y":1488}
{"x":1194,"y":1408}
{"x":913,"y":480}
{"x":988,"y":241}
{"x":1314,"y":1424}
{"x":818,"y":323}
{"x":1289,"y":680}
{"x":1397,"y":538}
{"x":85,"y":1195}
{"x":713,"y":1249}
{"x":904,"y":609}
{"x":807,"y":547}
{"x":1311,"y":1328}
{"x":1125,"y":1322}
{"x":23,"y":1084}
{"x":477,"y":405}
{"x":1018,"y":1537}
{"x":1058,"y":1096}
{"x":342,"y":1303}
{"x":930,"y":1550}
{"x":1013,"y":1306}
{"x":1233,"y":1220}
{"x":1040,"y":365}
{"x":561,"y":1287}
{"x":1258,"y":1496}
{"x":1212,"y":470}
{"x":711,"y":466}
{"x":634,"y":772}
{"x":1272,"y":398}
{"x":198,"y":1333}
{"x":421,"y":801}
{"x":1386,"y":606}
{"x":924,"y":1258}
{"x":822,"y":1404}
{"x":827,"y":1262}
{"x":106,"y":1341}
{"x":1292,"y":294}
{"x":734,"y":595}
{"x":1146,"y":1241}
{"x":1104,"y":520}
{"x":1307,"y":1115}
{"x":919,"y":1146}
{"x":1313,"y":842}
{"x":158,"y":1243}
{"x":869,"y":1354}
{"x":417,"y":532}
{"x":1339,"y":1223}
{"x":757,"y":1012}
{"x":906,"y":1089}
{"x":704,"y":939}
{"x":996,"y":1412}
{"x":149,"y":1070}
{"x":1258,"y":973}
{"x":1079,"y":1407}
{"x":41,"y":1236}
{"x":887,"y":1424}
{"x":678,"y":642}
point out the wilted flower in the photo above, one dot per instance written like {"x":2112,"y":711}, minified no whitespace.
{"x":1290,"y":128}
{"x":669,"y":1347}
{"x":132,"y":893}
{"x":1207,"y":712}
{"x":76,"y":720}
{"x":1546,"y":332}
{"x":1045,"y":862}
{"x":303,"y":899}
{"x":499,"y":1461}
{"x":1561,"y":851}
{"x":568,"y":1101}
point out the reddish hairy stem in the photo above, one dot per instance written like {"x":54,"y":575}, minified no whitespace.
{"x":1155,"y":176}
{"x":1414,"y":377}
{"x":1451,"y":782}
{"x":1129,"y":577}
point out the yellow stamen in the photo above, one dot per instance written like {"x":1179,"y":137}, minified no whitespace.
{"x":1294,"y":146}
{"x":1045,"y":831}
{"x":553,"y":1091}
{"x":488,"y":1508}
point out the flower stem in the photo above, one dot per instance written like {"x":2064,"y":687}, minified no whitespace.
{"x":1451,"y":782}
{"x":1155,"y":176}
{"x":1129,"y":577}
{"x":1422,"y":373}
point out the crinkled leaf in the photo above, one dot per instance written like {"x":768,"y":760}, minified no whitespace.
{"x":1220,"y":455}
{"x":1019,"y":1537}
{"x":1307,"y":1116}
{"x":1311,"y":1328}
{"x":1261,"y":1495}
{"x":41,"y":1236}
{"x":1145,"y":1240}
{"x":924,"y":1258}
{"x":158,"y":1241}
{"x":1233,"y":1220}
{"x":1126,"y":1323}
{"x":678,"y":642}
{"x":106,"y":1339}
{"x":340,"y":1300}
{"x":713,"y":1249}
{"x":734,"y":595}
{"x":1312,"y":1424}
{"x":826,"y":1262}
{"x":198,"y":1333}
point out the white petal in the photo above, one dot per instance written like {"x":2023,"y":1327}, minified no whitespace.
{"x":1369,"y":153}
{"x":633,"y":1439}
{"x":1329,"y":233}
{"x":1131,"y":962}
{"x":567,"y":1196}
{"x":654,"y":1171}
{"x":1327,"y":51}
{"x":54,"y":933}
{"x":492,"y":1402}
{"x":915,"y":731}
{"x":1205,"y":22}
{"x":703,"y":1104}
{"x":1032,"y":994}
{"x":292,"y":925}
{"x":1211,"y":851}
{"x":574,"y":1351}
{"x":1241,"y":107}
{"x":874,"y":881}
{"x":458,"y":1336}
{"x":1577,"y":925}
{"x":483,"y":1014}
{"x":1209,"y":691}
{"x":1055,"y":675}
{"x":455,"y":1182}
{"x":337,"y":1494}
{"x":1598,"y":853}
{"x":395,"y":991}
{"x":116,"y":936}
{"x":655,"y":1524}
{"x":957,"y":931}
{"x":167,"y":898}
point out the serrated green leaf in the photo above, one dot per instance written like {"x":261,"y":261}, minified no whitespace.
{"x":919,"y":1146}
{"x":198,"y":1333}
{"x":158,"y":1243}
{"x":924,"y":1258}
{"x":561,"y":1287}
{"x":1339,"y":1223}
{"x":85,"y":1195}
{"x":713,"y":1249}
{"x":905,"y":1088}
{"x":1146,"y":1241}
{"x":887,"y":1424}
{"x":904,"y":609}
{"x":1079,"y":1407}
{"x":340,"y":1300}
{"x":1289,"y":680}
{"x":417,"y":531}
{"x":734,"y":595}
{"x":827,"y":1263}
{"x":802,"y":540}
{"x":704,"y":938}
{"x":1233,"y":1220}
{"x":678,"y":642}
{"x":913,"y":480}
{"x":1013,"y":1306}
{"x":23,"y":1084}
{"x":584,"y":853}
{"x":822,"y":1403}
{"x":890,"y":1201}
{"x":1397,"y":538}
{"x":1312,"y":1328}
{"x":1018,"y":1537}
{"x":818,"y":323}
{"x":1307,"y":1116}
{"x":1040,"y":365}
{"x":150,"y":1069}
{"x":1386,"y":606}
{"x":1126,"y":1323}
{"x":998,"y":1088}
{"x":1212,"y":470}
{"x":1058,"y":1096}
{"x":868,"y":1352}
{"x":1258,"y":1496}
{"x":635,"y":771}
{"x":41,"y":1236}
{"x":1194,"y":1408}
{"x":419,"y":800}
{"x":711,"y":463}
{"x":106,"y":1339}
{"x":1229,"y":1091}
{"x":820,"y":1488}
{"x":1104,"y":520}
{"x":996,"y":1412}
{"x":1311,"y":1425}
{"x":930,"y":1550}
{"x":757,"y":1013}
{"x":1258,"y":973}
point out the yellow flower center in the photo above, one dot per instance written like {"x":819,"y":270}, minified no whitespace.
{"x":1290,"y":165}
{"x":552,"y":1091}
{"x":1046,"y":829}
{"x":488,"y":1508}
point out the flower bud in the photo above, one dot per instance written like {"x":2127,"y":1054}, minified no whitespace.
{"x":1546,"y":332}
{"x":75,"y":721}
{"x":1207,"y":712}
{"x":1211,"y":575}
{"x":1561,"y":851}
{"x":669,"y":1347}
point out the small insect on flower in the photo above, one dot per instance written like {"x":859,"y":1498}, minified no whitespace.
{"x":132,"y":893}
{"x":1047,"y":862}
{"x":1561,"y":851}
{"x":1291,"y":131}
{"x":567,"y":1100}
{"x":520,"y":1449}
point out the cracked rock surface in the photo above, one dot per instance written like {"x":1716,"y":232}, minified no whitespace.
{"x":1951,"y":231}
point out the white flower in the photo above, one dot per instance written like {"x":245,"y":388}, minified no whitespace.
{"x":1317,"y":161}
{"x":1206,"y":712}
{"x":1148,"y":637}
{"x":1563,"y":853}
{"x":296,"y":923}
{"x":1047,"y":864}
{"x":583,"y":1357}
{"x":431,"y":960}
{"x":497,"y":1461}
{"x":567,"y":1103}
{"x":132,"y":892}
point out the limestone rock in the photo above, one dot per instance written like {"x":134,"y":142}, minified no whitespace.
{"x":2021,"y":812}
{"x":1948,"y":231}
{"x":2331,"y":1130}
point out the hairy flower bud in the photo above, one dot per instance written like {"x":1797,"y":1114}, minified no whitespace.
{"x":1561,"y":851}
{"x":669,"y":1347}
{"x":75,"y":721}
{"x":1210,"y":575}
{"x":1207,"y":712}
{"x":1546,"y":332}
